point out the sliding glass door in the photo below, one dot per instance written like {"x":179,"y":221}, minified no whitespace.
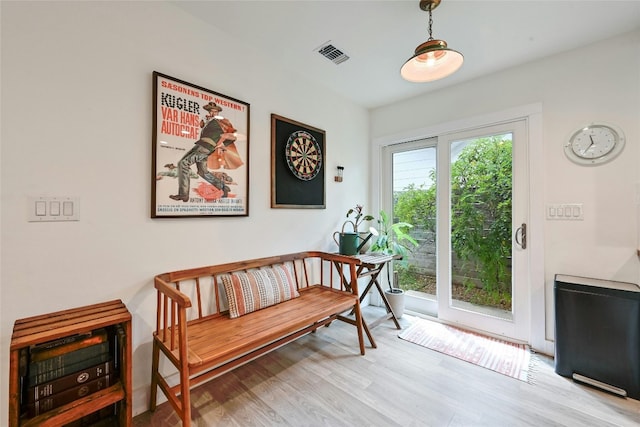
{"x":466,"y":195}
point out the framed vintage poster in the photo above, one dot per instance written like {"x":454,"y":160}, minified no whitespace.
{"x":297,"y":164}
{"x":200,"y":151}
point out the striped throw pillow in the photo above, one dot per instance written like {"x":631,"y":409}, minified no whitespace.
{"x":256,"y":289}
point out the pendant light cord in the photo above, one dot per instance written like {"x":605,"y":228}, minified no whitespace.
{"x":430,"y":24}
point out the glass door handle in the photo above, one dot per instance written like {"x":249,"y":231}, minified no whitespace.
{"x":521,"y":236}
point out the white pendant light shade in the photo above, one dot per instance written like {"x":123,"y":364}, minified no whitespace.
{"x":432,"y":61}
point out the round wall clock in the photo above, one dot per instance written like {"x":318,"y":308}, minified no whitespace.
{"x":594,"y":144}
{"x":303,"y":155}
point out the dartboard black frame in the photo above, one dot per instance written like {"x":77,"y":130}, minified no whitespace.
{"x":289,"y":189}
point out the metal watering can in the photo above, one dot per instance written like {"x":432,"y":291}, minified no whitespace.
{"x":348,"y":241}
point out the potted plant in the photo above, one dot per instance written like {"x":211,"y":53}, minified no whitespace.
{"x":358,"y":219}
{"x":394,"y":239}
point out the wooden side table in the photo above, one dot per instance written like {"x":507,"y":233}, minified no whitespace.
{"x":372,"y":265}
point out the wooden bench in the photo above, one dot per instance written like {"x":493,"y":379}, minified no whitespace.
{"x":203,"y":341}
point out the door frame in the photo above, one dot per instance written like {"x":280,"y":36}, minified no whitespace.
{"x":532,"y":113}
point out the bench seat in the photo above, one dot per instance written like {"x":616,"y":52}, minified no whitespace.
{"x":213,"y":341}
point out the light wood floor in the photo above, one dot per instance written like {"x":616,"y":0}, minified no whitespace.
{"x":321,"y":380}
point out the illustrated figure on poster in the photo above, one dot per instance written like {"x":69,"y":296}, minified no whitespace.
{"x":172,"y":172}
{"x":209,"y":192}
{"x":215,"y":149}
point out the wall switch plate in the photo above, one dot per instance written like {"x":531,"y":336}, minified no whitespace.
{"x":53,"y":209}
{"x":565,"y":211}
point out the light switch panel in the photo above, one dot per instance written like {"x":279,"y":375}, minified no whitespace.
{"x":46,"y":209}
{"x":565,"y":211}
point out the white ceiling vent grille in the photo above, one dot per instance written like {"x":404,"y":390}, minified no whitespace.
{"x":332,"y":53}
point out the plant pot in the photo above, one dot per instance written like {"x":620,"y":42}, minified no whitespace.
{"x":395,"y":298}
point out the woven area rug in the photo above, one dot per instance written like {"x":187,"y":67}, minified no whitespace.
{"x":513,"y":360}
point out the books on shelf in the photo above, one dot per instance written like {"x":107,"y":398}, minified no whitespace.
{"x":39,"y":391}
{"x":64,"y":364}
{"x":56,"y":400}
{"x":60,"y":341}
{"x":61,"y":371}
{"x":67,"y":344}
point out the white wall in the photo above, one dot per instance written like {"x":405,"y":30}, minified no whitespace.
{"x":596,"y":83}
{"x":76,"y":121}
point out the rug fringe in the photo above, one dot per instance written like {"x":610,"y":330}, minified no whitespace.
{"x":534,"y":366}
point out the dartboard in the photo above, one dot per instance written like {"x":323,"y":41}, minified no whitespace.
{"x":304,"y":155}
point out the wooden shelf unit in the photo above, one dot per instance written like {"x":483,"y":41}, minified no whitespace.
{"x":52,"y":326}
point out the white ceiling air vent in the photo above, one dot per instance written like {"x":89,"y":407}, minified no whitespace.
{"x":332,"y":53}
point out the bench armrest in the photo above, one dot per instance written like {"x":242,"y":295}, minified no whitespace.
{"x":171,"y":292}
{"x":342,"y":263}
{"x":171,"y":315}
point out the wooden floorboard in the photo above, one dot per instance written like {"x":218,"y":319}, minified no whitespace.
{"x":321,"y":380}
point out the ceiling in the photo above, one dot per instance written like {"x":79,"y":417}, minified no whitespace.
{"x":380,"y":35}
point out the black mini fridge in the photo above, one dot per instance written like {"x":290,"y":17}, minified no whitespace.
{"x":597,"y":333}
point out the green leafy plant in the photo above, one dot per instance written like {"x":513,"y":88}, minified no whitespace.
{"x":393,"y":239}
{"x":410,"y":277}
{"x":481,"y":184}
{"x":417,"y":204}
{"x":358,"y":218}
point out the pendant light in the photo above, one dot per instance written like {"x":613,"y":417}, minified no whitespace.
{"x":432,"y":60}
